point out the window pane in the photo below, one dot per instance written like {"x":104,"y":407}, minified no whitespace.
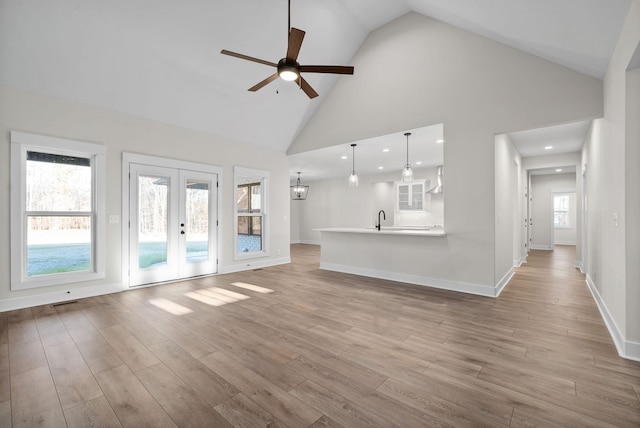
{"x":57,"y":183}
{"x":243,"y":199}
{"x":152,"y":221}
{"x":256,"y":225}
{"x":256,"y":198}
{"x":58,"y":244}
{"x":197,"y":226}
{"x":243,"y":225}
{"x":249,"y":238}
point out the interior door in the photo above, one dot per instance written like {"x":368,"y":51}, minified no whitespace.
{"x":173,"y":224}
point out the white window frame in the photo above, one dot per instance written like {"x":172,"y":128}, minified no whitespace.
{"x":238,"y":172}
{"x":569,"y":210}
{"x":21,"y":143}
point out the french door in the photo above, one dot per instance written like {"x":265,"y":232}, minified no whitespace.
{"x":173,"y":224}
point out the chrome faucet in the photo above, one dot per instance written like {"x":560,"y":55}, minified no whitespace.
{"x":384,"y":216}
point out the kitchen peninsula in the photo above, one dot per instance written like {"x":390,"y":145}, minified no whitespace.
{"x":412,"y":255}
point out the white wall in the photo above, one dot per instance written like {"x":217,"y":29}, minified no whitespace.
{"x":478,"y":88}
{"x":542,"y":189}
{"x":332,"y":203}
{"x":508,"y":195}
{"x":39,"y":114}
{"x":611,"y":159}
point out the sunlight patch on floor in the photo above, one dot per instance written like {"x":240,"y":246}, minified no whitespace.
{"x":215,"y":296}
{"x":171,"y":307}
{"x":252,"y":287}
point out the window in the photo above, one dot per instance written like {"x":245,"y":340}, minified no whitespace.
{"x":57,"y":220}
{"x":561,"y":211}
{"x":250,"y":213}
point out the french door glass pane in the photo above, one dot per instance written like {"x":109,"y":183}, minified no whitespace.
{"x":197,"y":221}
{"x":152,"y":221}
{"x":58,"y":244}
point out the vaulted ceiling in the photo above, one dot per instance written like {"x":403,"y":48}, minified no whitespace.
{"x":161,"y":59}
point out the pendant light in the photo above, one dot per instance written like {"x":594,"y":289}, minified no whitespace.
{"x":353,"y":178}
{"x":299,"y":189}
{"x":407,"y":171}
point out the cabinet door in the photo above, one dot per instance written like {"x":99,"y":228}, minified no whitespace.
{"x":410,"y":196}
{"x":404,"y":201}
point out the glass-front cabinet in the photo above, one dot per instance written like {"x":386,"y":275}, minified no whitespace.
{"x":410,"y":195}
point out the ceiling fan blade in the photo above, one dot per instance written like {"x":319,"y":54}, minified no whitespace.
{"x":248,"y":58}
{"x":334,"y":69}
{"x":304,"y":85}
{"x":264,"y":82}
{"x":295,"y":43}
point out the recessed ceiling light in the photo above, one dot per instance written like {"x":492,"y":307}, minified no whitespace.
{"x":559,"y":170}
{"x":380,"y":167}
{"x":548,"y":147}
{"x":419,"y":163}
{"x":385,"y":150}
{"x":343,"y":157}
{"x":440,"y":141}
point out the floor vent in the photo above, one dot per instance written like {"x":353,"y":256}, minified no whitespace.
{"x":64,"y":303}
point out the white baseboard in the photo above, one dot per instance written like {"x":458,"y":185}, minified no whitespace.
{"x":481,"y":290}
{"x":542,"y":247}
{"x":251,"y":264}
{"x":565,"y":243}
{"x":578,"y":264}
{"x":626,"y":349}
{"x":504,"y":281}
{"x":59,"y":296}
{"x":310,"y":242}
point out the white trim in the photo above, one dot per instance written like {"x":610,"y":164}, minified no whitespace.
{"x":542,"y":247}
{"x":22,"y":142}
{"x":578,"y":265}
{"x":565,"y":243}
{"x":254,"y":265}
{"x":504,"y":281}
{"x":129,"y":158}
{"x":59,"y":296}
{"x":481,"y":290}
{"x":626,"y":349}
{"x":309,"y":242}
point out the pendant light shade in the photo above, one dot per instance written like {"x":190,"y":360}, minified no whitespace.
{"x":407,"y":171}
{"x":299,"y":189}
{"x":353,"y":178}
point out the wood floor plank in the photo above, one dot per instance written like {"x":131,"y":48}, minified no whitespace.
{"x":337,"y":407}
{"x":380,"y":405}
{"x":5,"y":414}
{"x":240,"y":411}
{"x":181,"y":402}
{"x":134,"y":354}
{"x":73,"y":379}
{"x":213,"y":388}
{"x":26,"y":355}
{"x":93,"y":413}
{"x":132,"y":403}
{"x":287,"y":408}
{"x":34,"y":400}
{"x":97,"y":353}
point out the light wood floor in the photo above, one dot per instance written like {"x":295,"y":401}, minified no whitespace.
{"x":299,"y":347}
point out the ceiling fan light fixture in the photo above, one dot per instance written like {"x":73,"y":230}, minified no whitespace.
{"x":288,"y":71}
